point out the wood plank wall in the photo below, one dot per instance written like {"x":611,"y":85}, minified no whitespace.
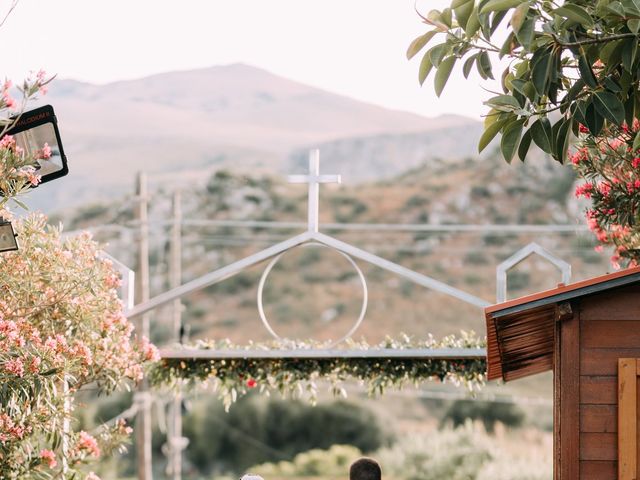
{"x":609,"y":329}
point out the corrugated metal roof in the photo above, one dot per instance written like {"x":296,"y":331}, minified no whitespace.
{"x":520,"y":332}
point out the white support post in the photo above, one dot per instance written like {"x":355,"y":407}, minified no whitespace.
{"x":174,"y":438}
{"x":143,"y":419}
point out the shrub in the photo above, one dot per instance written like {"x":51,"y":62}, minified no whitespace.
{"x":488,"y":413}
{"x":62,"y":324}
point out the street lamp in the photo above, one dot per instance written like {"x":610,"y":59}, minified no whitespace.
{"x":32,"y":130}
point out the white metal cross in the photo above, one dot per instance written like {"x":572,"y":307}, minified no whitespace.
{"x":314,"y":179}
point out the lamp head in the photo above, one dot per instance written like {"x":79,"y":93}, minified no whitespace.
{"x":8,"y":240}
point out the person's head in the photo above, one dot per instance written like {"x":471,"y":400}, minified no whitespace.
{"x":250,"y":476}
{"x":365,"y":469}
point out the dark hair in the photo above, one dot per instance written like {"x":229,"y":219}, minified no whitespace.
{"x":365,"y":469}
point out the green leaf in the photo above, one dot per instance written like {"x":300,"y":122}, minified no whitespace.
{"x":585,"y":71}
{"x":611,"y":85}
{"x":437,"y":53}
{"x":492,"y":117}
{"x":511,"y":139}
{"x":631,"y":7}
{"x":445,"y":17}
{"x":634,"y":25}
{"x":503,"y":103}
{"x":530,"y":91}
{"x":484,"y":66}
{"x":630,"y":109}
{"x":609,"y":106}
{"x":576,"y":13}
{"x":443,"y":72}
{"x":629,"y":52}
{"x":541,"y":73}
{"x":496,"y":20}
{"x":508,"y":45}
{"x":574,"y":91}
{"x":468,"y":65}
{"x":489,"y":134}
{"x":636,"y":142}
{"x":419,"y":43}
{"x":610,"y":52}
{"x":526,"y":33}
{"x":463,"y":11}
{"x":519,"y":16}
{"x":518,"y":85}
{"x":425,"y":68}
{"x":473,"y":24}
{"x":499,"y":5}
{"x":616,"y":8}
{"x":593,"y":120}
{"x":525,"y":143}
{"x":541,"y":134}
{"x":561,"y":141}
{"x":20,"y":204}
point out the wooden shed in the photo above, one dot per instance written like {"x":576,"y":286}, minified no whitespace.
{"x":588,"y":333}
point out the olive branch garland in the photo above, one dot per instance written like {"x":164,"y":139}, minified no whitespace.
{"x":297,"y":377}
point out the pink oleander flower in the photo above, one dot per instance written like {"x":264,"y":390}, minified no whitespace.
{"x":8,"y":101}
{"x":14,"y":367}
{"x":615,"y":262}
{"x":149,"y":350}
{"x":44,"y":153}
{"x":604,"y":188}
{"x":579,"y":156}
{"x":584,"y":190}
{"x":88,"y":443}
{"x":49,"y":457}
{"x":8,"y":142}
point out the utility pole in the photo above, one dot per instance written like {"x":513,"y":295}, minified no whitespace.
{"x":174,"y":438}
{"x":143,"y":418}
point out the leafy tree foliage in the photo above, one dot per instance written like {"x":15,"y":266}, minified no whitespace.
{"x":488,"y":413}
{"x":578,"y":58}
{"x":571,"y":70}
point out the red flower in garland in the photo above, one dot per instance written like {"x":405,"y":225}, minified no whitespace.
{"x":251,"y":383}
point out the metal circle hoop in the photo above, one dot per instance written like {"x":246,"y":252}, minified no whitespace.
{"x":363,"y":282}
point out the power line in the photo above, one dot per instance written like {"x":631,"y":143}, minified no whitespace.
{"x":395,"y":227}
{"x":363,"y":227}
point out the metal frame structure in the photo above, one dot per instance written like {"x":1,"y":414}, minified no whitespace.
{"x":521,"y":255}
{"x":406,"y":353}
{"x":128,"y":278}
{"x":312,"y":235}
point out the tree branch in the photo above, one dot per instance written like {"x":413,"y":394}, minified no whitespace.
{"x":591,"y":41}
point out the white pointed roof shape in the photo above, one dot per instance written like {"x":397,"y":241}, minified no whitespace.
{"x":314,"y":179}
{"x":521,"y":255}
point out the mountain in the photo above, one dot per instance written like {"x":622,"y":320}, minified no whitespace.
{"x":178,"y":126}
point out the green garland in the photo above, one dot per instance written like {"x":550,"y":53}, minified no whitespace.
{"x":297,"y":377}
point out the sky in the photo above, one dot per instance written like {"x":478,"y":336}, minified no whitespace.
{"x":351,"y":47}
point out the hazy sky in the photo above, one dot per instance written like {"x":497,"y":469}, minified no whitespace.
{"x":352,"y":47}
